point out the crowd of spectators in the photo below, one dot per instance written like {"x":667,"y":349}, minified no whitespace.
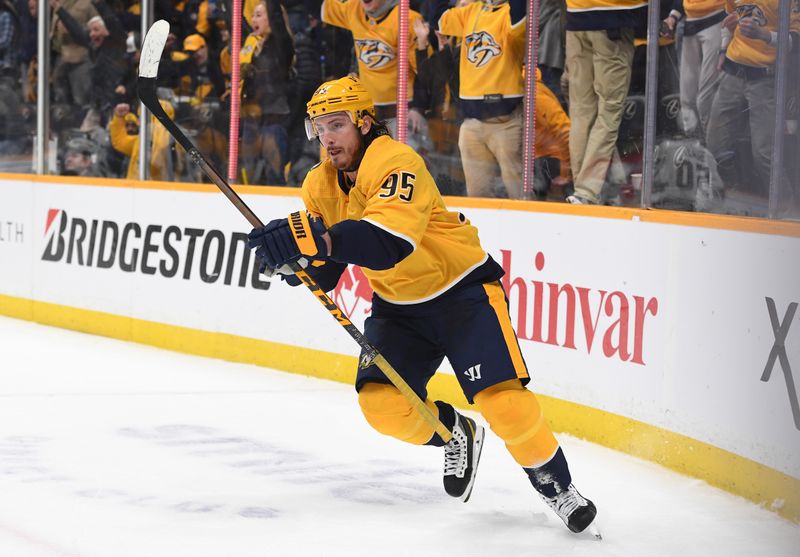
{"x":466,"y":73}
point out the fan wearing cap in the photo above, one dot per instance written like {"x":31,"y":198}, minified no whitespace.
{"x":201,"y":76}
{"x":437,"y":294}
{"x":78,"y":158}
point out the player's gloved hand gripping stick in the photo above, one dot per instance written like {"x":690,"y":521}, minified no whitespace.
{"x":292,"y":239}
{"x":152,"y":48}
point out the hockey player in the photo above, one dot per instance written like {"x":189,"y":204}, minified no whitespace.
{"x":374,"y":204}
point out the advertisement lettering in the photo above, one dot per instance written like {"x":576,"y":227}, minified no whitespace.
{"x":778,"y":353}
{"x":167,"y":251}
{"x":12,"y":232}
{"x":613,"y":320}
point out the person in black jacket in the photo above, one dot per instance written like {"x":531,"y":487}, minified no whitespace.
{"x":267,"y":60}
{"x":308,"y":76}
{"x":105,"y":38}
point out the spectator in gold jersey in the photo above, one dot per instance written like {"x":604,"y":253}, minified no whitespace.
{"x":747,"y":85}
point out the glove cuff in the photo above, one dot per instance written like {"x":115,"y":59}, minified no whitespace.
{"x":303,"y":236}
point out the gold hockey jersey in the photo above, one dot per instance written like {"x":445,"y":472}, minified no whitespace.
{"x":395,"y":192}
{"x":492,"y":53}
{"x":755,"y":52}
{"x":375,"y":45}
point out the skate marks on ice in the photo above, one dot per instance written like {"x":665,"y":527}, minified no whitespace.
{"x":364,"y":482}
{"x":21,"y":459}
{"x":380,"y":482}
{"x":25,"y":460}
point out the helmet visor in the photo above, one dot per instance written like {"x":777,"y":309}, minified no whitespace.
{"x":315,"y":126}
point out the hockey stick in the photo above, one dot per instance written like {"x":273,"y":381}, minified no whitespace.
{"x":152,"y":47}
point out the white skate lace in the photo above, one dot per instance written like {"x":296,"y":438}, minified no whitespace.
{"x":455,"y":453}
{"x":566,"y":502}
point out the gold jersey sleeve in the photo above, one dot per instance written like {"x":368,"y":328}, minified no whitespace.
{"x":375,"y":45}
{"x":755,"y":52}
{"x":395,"y":192}
{"x":492,"y":51}
{"x":251,"y":44}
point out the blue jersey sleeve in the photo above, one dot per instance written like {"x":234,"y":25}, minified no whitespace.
{"x":364,"y":244}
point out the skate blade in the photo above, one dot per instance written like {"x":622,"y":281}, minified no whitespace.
{"x":477,"y":448}
{"x":593,"y":531}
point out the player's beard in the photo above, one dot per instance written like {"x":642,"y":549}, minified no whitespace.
{"x":357,"y":156}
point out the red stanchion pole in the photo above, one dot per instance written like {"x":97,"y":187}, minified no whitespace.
{"x":529,"y":134}
{"x":236,"y":46}
{"x":402,"y":72}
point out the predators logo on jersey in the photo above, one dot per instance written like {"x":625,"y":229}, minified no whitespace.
{"x":481,"y":48}
{"x":373,"y":53}
{"x":752,"y":11}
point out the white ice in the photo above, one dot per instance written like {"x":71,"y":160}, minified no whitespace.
{"x":114,"y":449}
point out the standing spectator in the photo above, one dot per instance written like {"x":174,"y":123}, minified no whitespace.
{"x":71,"y":68}
{"x":699,"y":71}
{"x":747,"y":85}
{"x":374,"y":24}
{"x":105,"y":38}
{"x":266,"y":61}
{"x":600,"y":49}
{"x":491,"y":89}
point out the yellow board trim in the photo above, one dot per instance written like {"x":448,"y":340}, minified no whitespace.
{"x":760,"y":484}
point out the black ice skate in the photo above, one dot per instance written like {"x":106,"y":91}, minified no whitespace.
{"x":575,"y":510}
{"x":461,"y":457}
{"x":553,"y":482}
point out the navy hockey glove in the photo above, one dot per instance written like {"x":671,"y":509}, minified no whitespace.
{"x":284,"y":241}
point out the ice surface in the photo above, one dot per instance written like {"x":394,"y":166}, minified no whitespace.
{"x":114,"y":449}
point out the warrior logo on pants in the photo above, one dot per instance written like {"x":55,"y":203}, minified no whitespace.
{"x":474,"y":373}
